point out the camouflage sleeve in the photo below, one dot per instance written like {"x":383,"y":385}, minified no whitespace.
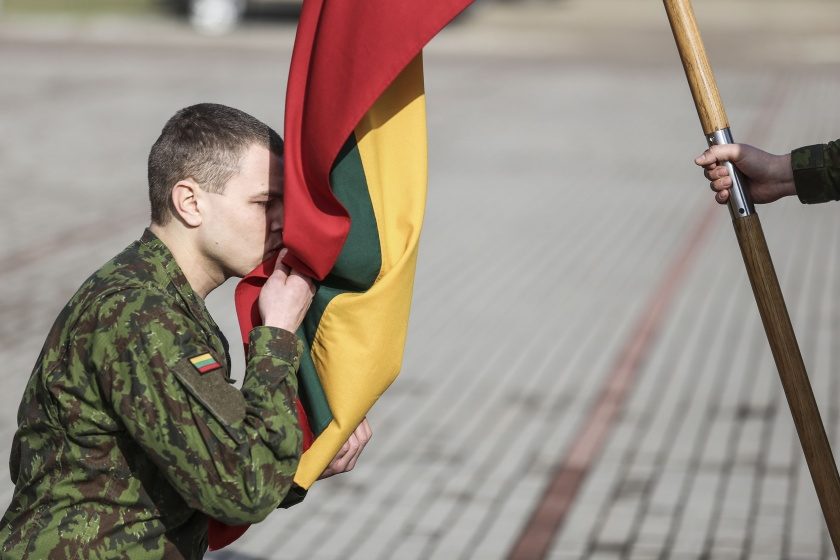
{"x":230,"y":454}
{"x":816,"y":172}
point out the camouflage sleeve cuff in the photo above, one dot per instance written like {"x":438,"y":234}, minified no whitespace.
{"x":272,"y":342}
{"x":816,"y":172}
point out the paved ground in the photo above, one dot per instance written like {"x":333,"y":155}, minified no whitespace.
{"x":571,"y":258}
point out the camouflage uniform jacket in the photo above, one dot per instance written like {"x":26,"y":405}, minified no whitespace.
{"x":124,"y":446}
{"x":816,"y":172}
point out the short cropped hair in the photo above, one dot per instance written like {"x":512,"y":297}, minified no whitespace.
{"x":205,"y":142}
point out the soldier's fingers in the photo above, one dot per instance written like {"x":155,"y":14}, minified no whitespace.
{"x":352,"y":464}
{"x":342,"y":452}
{"x":310,"y":285}
{"x":339,"y":464}
{"x":346,"y":458}
{"x":301,"y":284}
{"x":363,"y":434}
{"x":335,"y":465}
{"x":722,"y":197}
{"x":365,"y":430}
{"x":349,"y":460}
{"x":281,"y":271}
{"x":278,"y":264}
{"x":328,"y":472}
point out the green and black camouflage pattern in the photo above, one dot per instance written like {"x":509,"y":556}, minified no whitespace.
{"x":816,"y":172}
{"x":123,"y":448}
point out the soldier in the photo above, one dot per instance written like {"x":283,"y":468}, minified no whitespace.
{"x":811,"y":172}
{"x":129,"y":432}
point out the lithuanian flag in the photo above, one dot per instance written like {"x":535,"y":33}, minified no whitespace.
{"x":355,"y":188}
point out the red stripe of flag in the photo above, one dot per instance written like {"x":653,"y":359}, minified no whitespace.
{"x":345,"y":55}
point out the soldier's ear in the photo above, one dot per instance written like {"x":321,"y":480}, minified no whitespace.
{"x":185,"y":196}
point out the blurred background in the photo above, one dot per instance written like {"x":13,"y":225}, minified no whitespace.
{"x":581,"y":312}
{"x":205,"y":16}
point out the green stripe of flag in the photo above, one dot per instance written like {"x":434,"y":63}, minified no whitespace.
{"x":355,"y":270}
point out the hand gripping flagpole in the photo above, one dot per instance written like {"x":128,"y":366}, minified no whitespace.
{"x":765,"y":284}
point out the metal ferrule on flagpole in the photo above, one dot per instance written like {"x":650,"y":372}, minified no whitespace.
{"x":740,"y":205}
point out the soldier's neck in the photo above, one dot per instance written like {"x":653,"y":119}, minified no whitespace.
{"x":201,"y":273}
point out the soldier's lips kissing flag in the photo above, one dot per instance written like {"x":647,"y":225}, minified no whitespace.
{"x":355,"y":189}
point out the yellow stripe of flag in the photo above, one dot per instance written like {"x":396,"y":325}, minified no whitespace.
{"x":365,"y":332}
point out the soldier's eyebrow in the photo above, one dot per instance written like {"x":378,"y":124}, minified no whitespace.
{"x":269,"y":194}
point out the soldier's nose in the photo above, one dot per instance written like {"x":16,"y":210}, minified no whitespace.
{"x":275,"y":221}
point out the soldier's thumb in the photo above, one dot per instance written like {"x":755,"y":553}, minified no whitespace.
{"x":726,"y":152}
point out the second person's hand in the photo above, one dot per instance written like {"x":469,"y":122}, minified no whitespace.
{"x":769,"y":177}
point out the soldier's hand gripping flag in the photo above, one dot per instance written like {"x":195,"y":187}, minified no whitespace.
{"x":355,"y":188}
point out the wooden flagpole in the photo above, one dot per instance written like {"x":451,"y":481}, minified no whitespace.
{"x":765,"y":284}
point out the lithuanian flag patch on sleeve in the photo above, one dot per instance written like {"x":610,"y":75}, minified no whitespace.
{"x":205,"y":363}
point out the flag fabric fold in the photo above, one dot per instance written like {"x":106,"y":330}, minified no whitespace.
{"x":355,"y":185}
{"x":346,"y":54}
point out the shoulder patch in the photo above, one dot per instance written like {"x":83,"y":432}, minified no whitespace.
{"x":205,"y":363}
{"x":212,"y":390}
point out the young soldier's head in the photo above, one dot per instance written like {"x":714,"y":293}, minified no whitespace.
{"x":216,"y":178}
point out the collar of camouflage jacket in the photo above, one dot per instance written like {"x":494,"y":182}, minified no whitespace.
{"x":169,"y":273}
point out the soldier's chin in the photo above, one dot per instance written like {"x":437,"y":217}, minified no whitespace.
{"x":250,"y":267}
